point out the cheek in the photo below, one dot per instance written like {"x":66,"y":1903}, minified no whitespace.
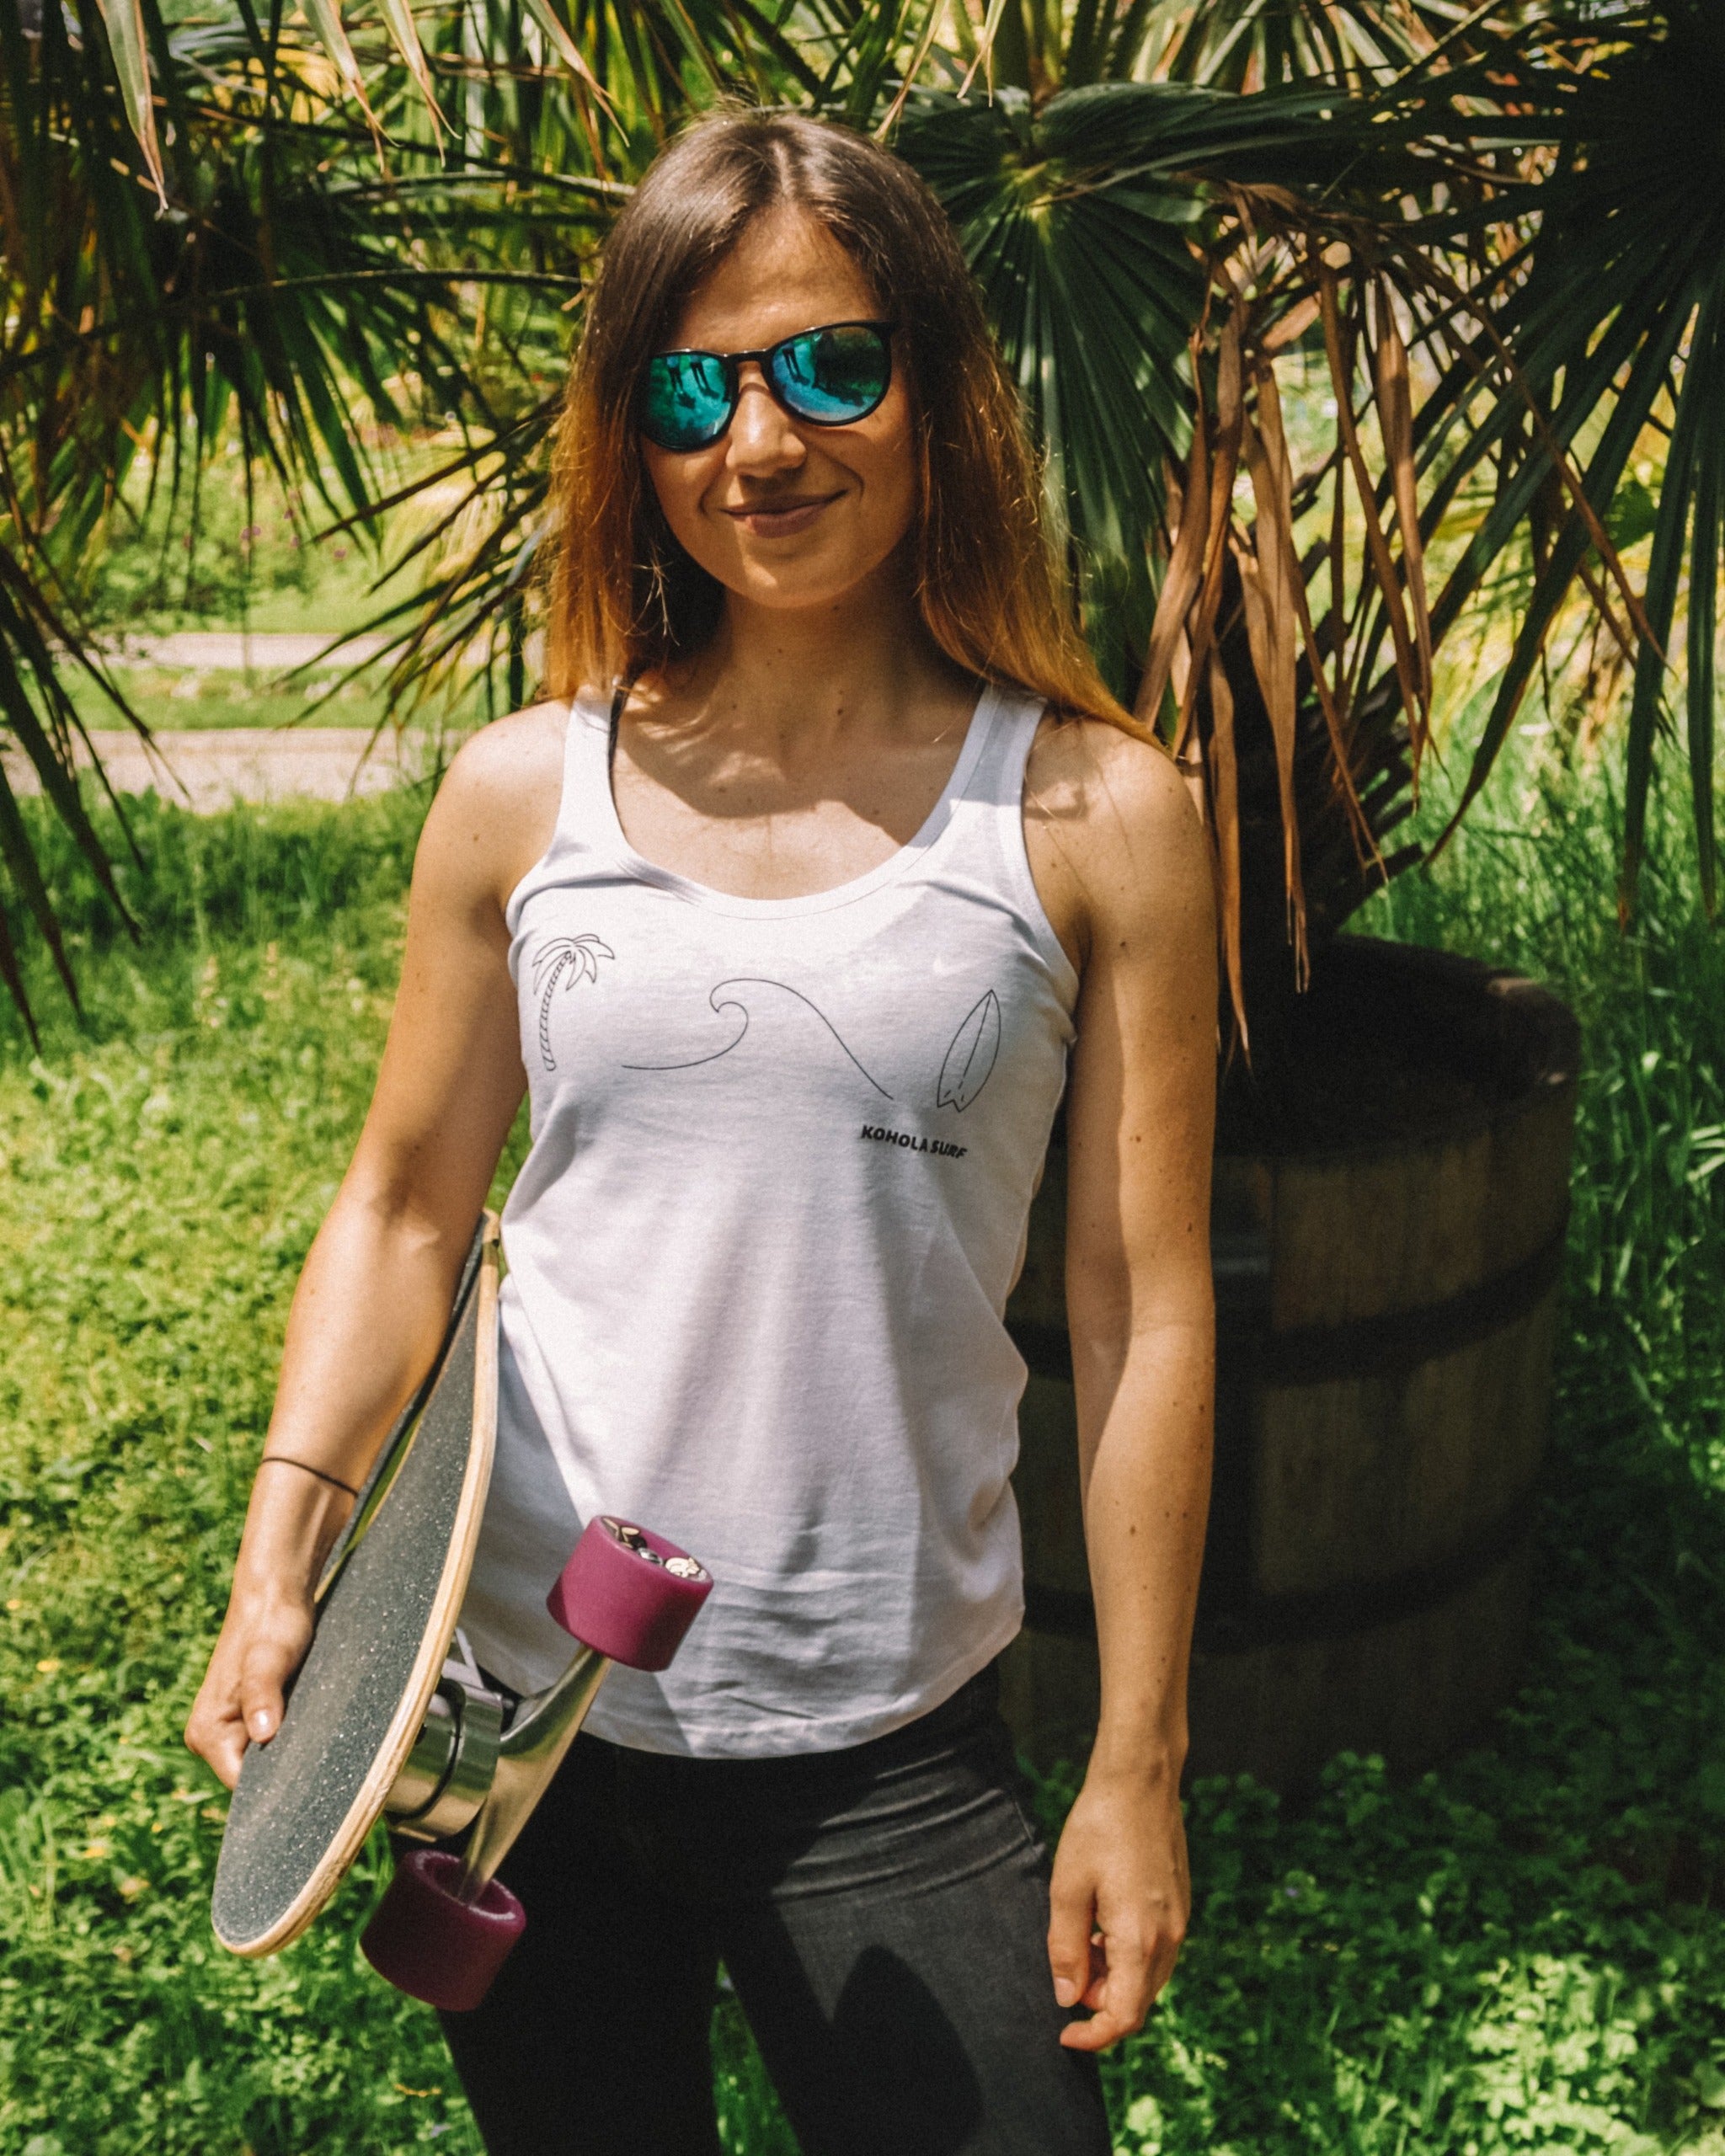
{"x":896,"y":475}
{"x":678,"y":482}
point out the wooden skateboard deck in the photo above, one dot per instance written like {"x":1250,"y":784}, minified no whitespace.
{"x":387,"y":1602}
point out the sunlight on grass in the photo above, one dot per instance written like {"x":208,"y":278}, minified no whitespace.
{"x":1520,"y":1953}
{"x":186,"y":702}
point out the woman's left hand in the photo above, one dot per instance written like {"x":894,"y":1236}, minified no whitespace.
{"x":1118,"y":1905}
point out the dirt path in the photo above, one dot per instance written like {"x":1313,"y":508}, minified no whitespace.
{"x":229,"y":651}
{"x":211,"y":770}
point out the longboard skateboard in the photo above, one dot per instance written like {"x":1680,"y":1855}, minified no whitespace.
{"x":388,"y":1715}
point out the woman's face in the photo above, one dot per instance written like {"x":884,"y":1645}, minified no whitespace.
{"x":780,"y":511}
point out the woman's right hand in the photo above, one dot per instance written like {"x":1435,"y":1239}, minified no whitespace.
{"x":291,"y":1528}
{"x":262,"y":1642}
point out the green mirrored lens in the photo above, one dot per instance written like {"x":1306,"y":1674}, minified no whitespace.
{"x":832,"y":376}
{"x":686,"y":400}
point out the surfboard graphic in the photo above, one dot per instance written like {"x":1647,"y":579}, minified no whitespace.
{"x":971,"y":1058}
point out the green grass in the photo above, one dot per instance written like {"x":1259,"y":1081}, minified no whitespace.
{"x":1523,"y":1952}
{"x":193,"y":702}
{"x":1517,"y":1954}
{"x":266,"y":562}
{"x":174,"y":704}
{"x":267,"y":559}
{"x":161,"y":1171}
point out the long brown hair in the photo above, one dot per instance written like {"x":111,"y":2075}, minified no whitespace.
{"x":625,"y":597}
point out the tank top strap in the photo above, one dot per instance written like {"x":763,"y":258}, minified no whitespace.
{"x":997,"y":778}
{"x":586,"y":827}
{"x":987,"y":844}
{"x":585,"y":817}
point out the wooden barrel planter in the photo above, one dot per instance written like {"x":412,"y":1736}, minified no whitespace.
{"x":1385,"y":1314}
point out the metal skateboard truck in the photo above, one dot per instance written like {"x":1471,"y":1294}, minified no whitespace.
{"x":447,"y":1923}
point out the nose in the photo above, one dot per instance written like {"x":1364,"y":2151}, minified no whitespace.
{"x":763,"y":438}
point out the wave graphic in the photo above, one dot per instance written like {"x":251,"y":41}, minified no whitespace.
{"x":720,"y":1002}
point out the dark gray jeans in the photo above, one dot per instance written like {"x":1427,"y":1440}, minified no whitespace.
{"x":881,"y":1912}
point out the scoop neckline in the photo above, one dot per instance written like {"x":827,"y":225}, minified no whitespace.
{"x":598,"y":715}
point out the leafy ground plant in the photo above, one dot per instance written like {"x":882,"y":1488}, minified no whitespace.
{"x":164,"y":1169}
{"x":181,"y":701}
{"x":1518,"y":1954}
{"x":1522,"y":1952}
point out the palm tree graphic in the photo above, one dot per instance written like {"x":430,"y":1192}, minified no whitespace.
{"x":568,"y":960}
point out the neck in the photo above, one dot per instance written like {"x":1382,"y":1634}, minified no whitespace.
{"x":863,"y":662}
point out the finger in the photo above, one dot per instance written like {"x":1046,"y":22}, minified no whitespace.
{"x":1123,"y":2001}
{"x":1071,"y":1923}
{"x":1098,"y":2032}
{"x":1162,"y":1961}
{"x":262,"y":1676}
{"x":219,"y":1740}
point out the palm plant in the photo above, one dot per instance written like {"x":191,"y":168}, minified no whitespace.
{"x":1611,"y":309}
{"x":276,"y":297}
{"x":295,"y":236}
{"x":1499,"y":205}
{"x":1467,"y":219}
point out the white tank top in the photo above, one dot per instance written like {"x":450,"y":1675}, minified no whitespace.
{"x":783,"y":1150}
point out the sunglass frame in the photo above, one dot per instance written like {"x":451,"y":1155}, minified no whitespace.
{"x":765,"y":355}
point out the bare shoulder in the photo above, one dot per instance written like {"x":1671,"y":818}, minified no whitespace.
{"x":497,"y":807}
{"x":1115,"y":840}
{"x":511,"y":765}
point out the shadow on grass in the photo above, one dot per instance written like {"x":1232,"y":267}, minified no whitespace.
{"x":1518,"y":1953}
{"x":1523,"y":1951}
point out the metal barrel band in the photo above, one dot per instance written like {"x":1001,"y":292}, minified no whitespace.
{"x":1356,"y":1347}
{"x":1325,"y":1613}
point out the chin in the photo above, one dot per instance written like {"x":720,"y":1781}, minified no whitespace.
{"x":794,"y":585}
{"x":795,"y":597}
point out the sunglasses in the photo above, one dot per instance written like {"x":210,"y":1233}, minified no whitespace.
{"x":829,"y":378}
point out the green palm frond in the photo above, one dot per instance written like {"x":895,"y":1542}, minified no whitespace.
{"x":1604,"y":336}
{"x":1042,"y":49}
{"x":1089,"y":224}
{"x":1086,"y":265}
{"x":290,"y":299}
{"x":1247,"y":45}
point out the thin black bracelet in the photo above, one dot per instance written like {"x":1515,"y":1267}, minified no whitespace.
{"x":282,"y":1459}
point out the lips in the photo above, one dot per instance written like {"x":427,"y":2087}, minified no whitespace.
{"x":780,"y":519}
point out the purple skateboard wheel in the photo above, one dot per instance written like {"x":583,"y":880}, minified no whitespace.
{"x":431,"y":1945}
{"x":629,"y":1593}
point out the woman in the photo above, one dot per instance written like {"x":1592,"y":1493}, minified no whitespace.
{"x":786,"y":913}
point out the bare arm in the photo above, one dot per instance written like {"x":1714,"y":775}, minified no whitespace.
{"x":374,"y":1297}
{"x":1126,"y":872}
